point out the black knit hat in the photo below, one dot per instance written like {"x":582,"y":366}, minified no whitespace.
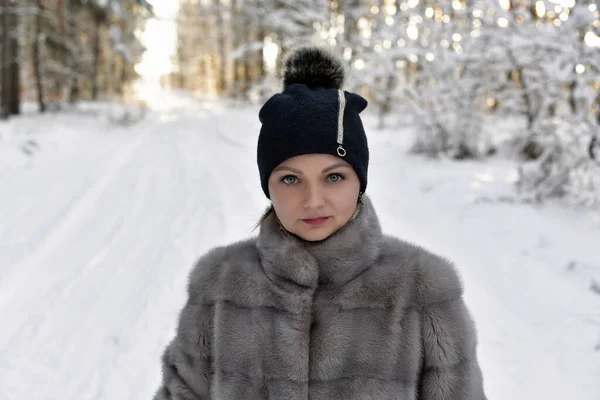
{"x":304,"y":118}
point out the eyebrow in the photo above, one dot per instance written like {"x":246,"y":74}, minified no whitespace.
{"x":335,"y":166}
{"x":297,"y":171}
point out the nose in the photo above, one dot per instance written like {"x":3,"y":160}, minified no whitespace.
{"x":314,"y":197}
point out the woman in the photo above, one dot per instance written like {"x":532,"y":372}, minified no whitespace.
{"x":321,"y":305}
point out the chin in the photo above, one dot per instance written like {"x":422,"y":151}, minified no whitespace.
{"x":315,"y":236}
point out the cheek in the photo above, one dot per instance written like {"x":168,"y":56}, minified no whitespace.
{"x":284,"y":207}
{"x":273,"y":189}
{"x":279,"y":195}
{"x":349,"y":195}
{"x":349,"y":207}
{"x":346,"y":202}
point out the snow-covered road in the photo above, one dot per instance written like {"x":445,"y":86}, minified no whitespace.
{"x":99,"y":230}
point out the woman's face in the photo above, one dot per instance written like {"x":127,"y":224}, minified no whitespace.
{"x":314,"y":195}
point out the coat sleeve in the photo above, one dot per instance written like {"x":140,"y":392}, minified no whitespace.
{"x":187,"y":360}
{"x":450,"y":368}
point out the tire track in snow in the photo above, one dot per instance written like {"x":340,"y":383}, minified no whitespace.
{"x":191,"y":219}
{"x":71,"y":218}
{"x":52,"y":285}
{"x":100,"y":295}
{"x":44,"y":280}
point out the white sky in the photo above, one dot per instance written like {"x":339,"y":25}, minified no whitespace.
{"x":159,"y":37}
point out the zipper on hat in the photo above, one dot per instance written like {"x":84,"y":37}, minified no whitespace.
{"x":340,"y":136}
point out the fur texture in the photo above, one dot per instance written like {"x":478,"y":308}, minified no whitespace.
{"x":359,"y":316}
{"x":314,"y":67}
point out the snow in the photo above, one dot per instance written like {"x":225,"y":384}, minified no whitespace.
{"x":100,"y":224}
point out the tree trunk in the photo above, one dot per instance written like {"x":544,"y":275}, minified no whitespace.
{"x":110,"y":83}
{"x":241,"y":35}
{"x":250,"y":61}
{"x":4,"y":60}
{"x":37,"y":59}
{"x":72,"y":29}
{"x":283,"y":49}
{"x":529,"y":108}
{"x":62,"y":23}
{"x":96,"y":55}
{"x":122,"y":79}
{"x":351,"y":36}
{"x":235,"y":22}
{"x":261,"y":64}
{"x":11,"y":87}
{"x":222,"y":43}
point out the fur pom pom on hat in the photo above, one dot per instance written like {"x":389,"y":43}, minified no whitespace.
{"x":313,"y":67}
{"x":313,"y":115}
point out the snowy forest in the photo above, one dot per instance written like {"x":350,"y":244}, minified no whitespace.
{"x":128,"y":150}
{"x":456,"y":68}
{"x":56,"y":52}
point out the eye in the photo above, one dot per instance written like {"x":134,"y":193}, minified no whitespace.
{"x":335,"y":178}
{"x":289,"y":180}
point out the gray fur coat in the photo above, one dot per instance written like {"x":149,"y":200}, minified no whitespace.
{"x":359,"y":316}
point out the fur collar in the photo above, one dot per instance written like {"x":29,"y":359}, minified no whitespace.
{"x":287,"y":259}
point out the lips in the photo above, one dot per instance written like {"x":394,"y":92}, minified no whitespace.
{"x":316,"y":221}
